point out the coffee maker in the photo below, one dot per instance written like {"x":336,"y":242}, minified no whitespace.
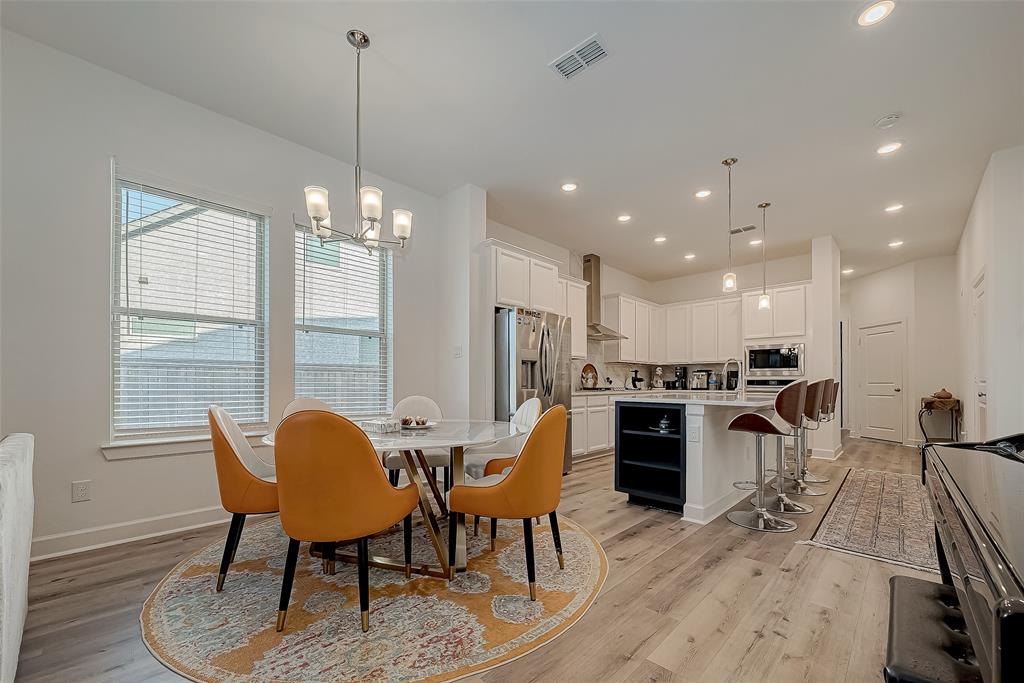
{"x":679,"y":383}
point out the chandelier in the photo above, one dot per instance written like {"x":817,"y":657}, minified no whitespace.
{"x":369,"y":200}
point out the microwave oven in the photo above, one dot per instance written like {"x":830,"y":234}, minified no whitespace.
{"x":775,"y":360}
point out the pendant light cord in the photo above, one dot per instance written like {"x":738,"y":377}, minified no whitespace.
{"x":764,"y":244}
{"x":358,"y":227}
{"x":729,"y":169}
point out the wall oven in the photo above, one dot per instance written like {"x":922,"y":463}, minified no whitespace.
{"x":775,"y":360}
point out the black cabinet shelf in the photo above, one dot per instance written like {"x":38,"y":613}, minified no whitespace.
{"x":650,"y":466}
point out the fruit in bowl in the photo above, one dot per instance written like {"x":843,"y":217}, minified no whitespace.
{"x":421,"y":421}
{"x":408,"y":420}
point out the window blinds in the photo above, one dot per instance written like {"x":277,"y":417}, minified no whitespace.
{"x":189,"y":312}
{"x":343,"y":325}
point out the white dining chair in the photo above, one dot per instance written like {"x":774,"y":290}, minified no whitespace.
{"x":419,"y":406}
{"x":477,"y":457}
{"x":301,"y":404}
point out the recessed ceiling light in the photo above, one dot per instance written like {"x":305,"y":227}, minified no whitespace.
{"x":690,"y":257}
{"x":569,"y":187}
{"x":896,"y":243}
{"x":755,"y":243}
{"x":876,"y":12}
{"x":846,"y":271}
{"x":893,"y":208}
{"x":624,"y":218}
{"x":702,"y":194}
{"x":660,"y":238}
{"x":889,"y":147}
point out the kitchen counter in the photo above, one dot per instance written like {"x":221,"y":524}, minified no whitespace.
{"x":703,"y":398}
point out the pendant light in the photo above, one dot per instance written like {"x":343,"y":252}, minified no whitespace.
{"x":764,"y":302}
{"x":369,"y":200}
{"x":729,"y":279}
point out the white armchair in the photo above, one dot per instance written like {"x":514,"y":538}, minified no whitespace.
{"x":418,"y":406}
{"x":477,"y":457}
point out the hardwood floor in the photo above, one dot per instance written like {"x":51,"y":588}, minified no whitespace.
{"x":682,"y":602}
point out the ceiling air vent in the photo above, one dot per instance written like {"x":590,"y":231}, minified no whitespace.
{"x":580,"y":58}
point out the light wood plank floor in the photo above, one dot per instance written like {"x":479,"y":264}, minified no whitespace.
{"x":682,"y":602}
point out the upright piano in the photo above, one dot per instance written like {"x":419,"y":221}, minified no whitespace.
{"x":971,"y":627}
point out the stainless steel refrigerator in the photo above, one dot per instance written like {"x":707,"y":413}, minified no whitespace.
{"x":533,"y":357}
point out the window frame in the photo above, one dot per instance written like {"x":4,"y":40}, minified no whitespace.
{"x":122,"y":315}
{"x":385,"y":314}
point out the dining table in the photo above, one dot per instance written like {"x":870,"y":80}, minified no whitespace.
{"x":454,"y":436}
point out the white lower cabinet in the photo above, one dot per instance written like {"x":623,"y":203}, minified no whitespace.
{"x":579,"y":426}
{"x":597,"y":429}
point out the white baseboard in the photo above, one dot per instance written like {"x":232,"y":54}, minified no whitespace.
{"x":68,"y":543}
{"x":826,"y":453}
{"x":702,"y":514}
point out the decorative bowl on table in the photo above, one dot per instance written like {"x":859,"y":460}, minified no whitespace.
{"x":410,"y":422}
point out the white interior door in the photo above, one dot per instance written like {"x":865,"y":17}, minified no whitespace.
{"x":882,"y":357}
{"x":978,"y":334}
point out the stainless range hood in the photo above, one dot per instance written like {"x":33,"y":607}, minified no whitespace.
{"x":592,"y":274}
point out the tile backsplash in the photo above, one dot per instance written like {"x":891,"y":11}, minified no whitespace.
{"x":619,"y":372}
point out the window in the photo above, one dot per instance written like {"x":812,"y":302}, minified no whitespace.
{"x":189,"y":318}
{"x":343,"y":327}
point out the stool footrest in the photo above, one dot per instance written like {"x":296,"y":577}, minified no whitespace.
{"x":745,"y":485}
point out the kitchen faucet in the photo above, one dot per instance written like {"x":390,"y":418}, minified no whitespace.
{"x":739,"y":374}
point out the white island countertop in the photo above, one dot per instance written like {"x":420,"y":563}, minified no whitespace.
{"x":703,"y":398}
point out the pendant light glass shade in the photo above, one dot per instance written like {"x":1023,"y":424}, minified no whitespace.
{"x":729,"y":282}
{"x":323,"y":227}
{"x":764,"y":302}
{"x":371,"y":203}
{"x":401,"y":223}
{"x":316,"y":202}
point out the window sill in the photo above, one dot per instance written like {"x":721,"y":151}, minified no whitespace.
{"x":131,"y":449}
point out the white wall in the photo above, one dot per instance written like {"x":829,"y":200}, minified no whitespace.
{"x":708,"y":285}
{"x":62,"y":120}
{"x":992,"y":246}
{"x":922,"y":294}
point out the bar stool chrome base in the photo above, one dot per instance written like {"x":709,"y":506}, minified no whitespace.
{"x":783,"y":505}
{"x":760,"y":520}
{"x":798,"y":487}
{"x":812,"y":478}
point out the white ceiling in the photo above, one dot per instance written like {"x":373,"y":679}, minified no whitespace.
{"x":457,"y":93}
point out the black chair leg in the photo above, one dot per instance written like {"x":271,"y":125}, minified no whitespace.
{"x":447,"y":479}
{"x":286,"y":582}
{"x":453,"y":522}
{"x":494,"y":531}
{"x":393,"y":477}
{"x":476,"y":525}
{"x":230,"y":545}
{"x":363,"y":551}
{"x":327,"y":565}
{"x":531,"y":574}
{"x":553,"y":518}
{"x":407,"y":535}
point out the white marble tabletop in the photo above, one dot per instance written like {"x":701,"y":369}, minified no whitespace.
{"x":735,"y":399}
{"x":445,"y":434}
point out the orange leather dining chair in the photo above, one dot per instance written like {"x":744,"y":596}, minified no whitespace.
{"x":332,"y":487}
{"x":248,"y":485}
{"x":533,"y":487}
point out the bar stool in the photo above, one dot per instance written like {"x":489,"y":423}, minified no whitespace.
{"x":796,"y":483}
{"x":789,"y":406}
{"x":826,"y":402}
{"x":760,"y":519}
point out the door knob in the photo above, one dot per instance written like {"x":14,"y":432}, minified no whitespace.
{"x":982,"y":394}
{"x":897,"y":390}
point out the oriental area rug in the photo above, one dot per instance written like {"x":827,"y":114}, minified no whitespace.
{"x":882,"y":515}
{"x":421,"y":628}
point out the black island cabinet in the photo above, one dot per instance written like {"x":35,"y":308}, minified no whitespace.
{"x":650,"y":453}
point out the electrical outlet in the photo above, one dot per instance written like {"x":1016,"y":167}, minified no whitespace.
{"x":457,"y":351}
{"x":80,"y":491}
{"x":693,"y":434}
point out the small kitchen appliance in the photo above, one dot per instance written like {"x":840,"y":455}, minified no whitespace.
{"x":699,"y":379}
{"x":635,"y":382}
{"x":775,"y":360}
{"x":658,"y":382}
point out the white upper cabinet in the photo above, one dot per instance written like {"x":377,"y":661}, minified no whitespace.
{"x":757,"y":324}
{"x":787,"y":316}
{"x":704,"y":331}
{"x":659,"y":337}
{"x":563,"y":298}
{"x":524,"y":282}
{"x":626,"y":326}
{"x":576,"y":309}
{"x":643,"y":332}
{"x":677,"y":333}
{"x":730,"y":340}
{"x":513,"y":279}
{"x":543,"y":286}
{"x":789,"y":311}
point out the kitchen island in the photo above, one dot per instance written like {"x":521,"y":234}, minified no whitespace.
{"x":675,"y":452}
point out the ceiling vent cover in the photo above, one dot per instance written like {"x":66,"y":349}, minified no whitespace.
{"x":580,"y":58}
